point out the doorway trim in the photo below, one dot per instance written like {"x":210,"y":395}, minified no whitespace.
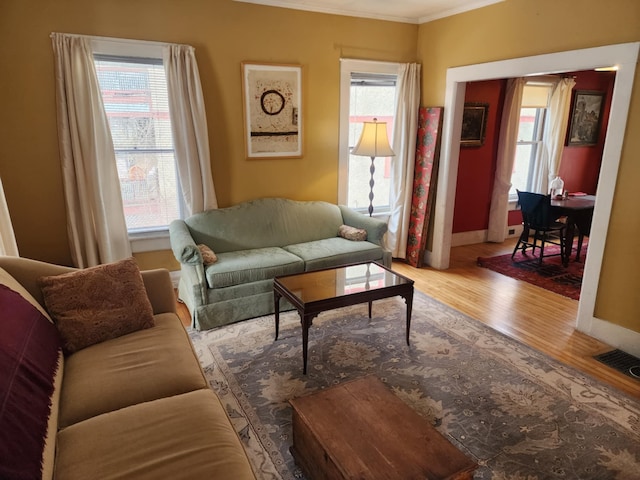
{"x":625,"y":57}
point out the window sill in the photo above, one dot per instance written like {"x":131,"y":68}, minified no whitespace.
{"x":149,"y":241}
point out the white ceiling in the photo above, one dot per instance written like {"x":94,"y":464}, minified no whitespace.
{"x":407,"y":11}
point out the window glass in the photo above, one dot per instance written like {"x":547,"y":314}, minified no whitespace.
{"x":368,"y":100}
{"x":134,"y":93}
{"x":529,"y":140}
{"x":530,"y":137}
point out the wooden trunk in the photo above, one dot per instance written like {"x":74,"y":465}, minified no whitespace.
{"x":361,"y":430}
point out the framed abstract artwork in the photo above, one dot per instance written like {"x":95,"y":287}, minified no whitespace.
{"x":272,"y":96}
{"x":586,"y":117}
{"x":474,"y":124}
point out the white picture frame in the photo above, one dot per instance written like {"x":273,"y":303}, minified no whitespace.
{"x":273,"y":113}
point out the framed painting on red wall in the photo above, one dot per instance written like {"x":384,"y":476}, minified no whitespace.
{"x":474,"y":124}
{"x":586,"y":117}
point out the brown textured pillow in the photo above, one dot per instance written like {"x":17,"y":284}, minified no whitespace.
{"x":352,"y":233}
{"x":208,"y":257}
{"x":96,"y":304}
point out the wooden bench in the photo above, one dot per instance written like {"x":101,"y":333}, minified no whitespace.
{"x":360,"y":429}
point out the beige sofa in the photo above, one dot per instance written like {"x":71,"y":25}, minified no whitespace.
{"x":133,"y":407}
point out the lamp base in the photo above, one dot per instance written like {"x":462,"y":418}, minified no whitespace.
{"x":372,"y":169}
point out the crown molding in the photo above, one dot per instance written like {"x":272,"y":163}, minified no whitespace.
{"x":426,"y":14}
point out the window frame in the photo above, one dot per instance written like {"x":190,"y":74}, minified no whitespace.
{"x":537,"y":144}
{"x":347,"y":67}
{"x":156,"y":238}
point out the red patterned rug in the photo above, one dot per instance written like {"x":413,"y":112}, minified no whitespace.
{"x":551,"y":275}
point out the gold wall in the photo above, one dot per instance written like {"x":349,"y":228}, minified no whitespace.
{"x":520,"y":28}
{"x":224,"y":33}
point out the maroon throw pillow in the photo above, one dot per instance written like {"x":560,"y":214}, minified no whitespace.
{"x":29,"y":357}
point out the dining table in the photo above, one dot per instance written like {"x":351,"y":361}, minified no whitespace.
{"x":578,"y":210}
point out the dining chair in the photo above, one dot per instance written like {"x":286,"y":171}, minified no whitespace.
{"x":583,"y":224}
{"x":539,"y":226}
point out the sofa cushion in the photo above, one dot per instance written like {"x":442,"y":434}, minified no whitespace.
{"x":332,"y":252}
{"x":181,"y":437}
{"x":141,"y":366}
{"x":234,"y":268}
{"x":98,"y":303}
{"x":30,"y":363}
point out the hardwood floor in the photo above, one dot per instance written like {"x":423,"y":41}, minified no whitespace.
{"x":532,"y":315}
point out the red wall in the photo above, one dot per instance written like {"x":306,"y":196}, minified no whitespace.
{"x":580,"y":166}
{"x":476,"y":167}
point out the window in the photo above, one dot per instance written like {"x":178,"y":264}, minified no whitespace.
{"x":368,"y":90}
{"x":529,"y":143}
{"x":134,"y":92}
{"x":533,"y":115}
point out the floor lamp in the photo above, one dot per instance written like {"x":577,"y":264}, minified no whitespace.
{"x":373,"y":143}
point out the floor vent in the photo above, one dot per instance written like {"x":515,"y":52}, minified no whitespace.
{"x":621,"y":361}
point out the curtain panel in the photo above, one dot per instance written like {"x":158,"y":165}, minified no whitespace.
{"x":402,"y":166}
{"x":8,"y":244}
{"x":506,"y":155}
{"x":555,"y":132}
{"x":189,"y":128}
{"x":95,"y":218}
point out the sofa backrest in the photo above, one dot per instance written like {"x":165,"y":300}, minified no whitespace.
{"x":266,"y":222}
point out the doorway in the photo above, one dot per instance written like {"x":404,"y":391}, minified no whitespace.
{"x":624,"y":56}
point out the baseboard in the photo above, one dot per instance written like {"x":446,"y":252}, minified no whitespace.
{"x":514,"y":231}
{"x":480,"y":236}
{"x":472,"y":238}
{"x":468,"y":238}
{"x":614,"y":335}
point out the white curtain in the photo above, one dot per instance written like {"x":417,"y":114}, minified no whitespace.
{"x":189,"y":127}
{"x":548,"y":163}
{"x":404,"y":145}
{"x":8,"y":244}
{"x":95,"y":217}
{"x":506,"y":156}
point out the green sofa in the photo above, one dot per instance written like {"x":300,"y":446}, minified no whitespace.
{"x":256,"y":241}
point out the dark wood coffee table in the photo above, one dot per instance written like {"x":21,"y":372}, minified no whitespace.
{"x":314,"y":292}
{"x":360,"y":429}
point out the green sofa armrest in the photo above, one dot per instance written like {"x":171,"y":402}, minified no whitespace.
{"x":184,"y":247}
{"x":188,"y":254}
{"x":375,"y":227}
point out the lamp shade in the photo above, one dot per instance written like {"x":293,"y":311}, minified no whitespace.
{"x":373,"y":141}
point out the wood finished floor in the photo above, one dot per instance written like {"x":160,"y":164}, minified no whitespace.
{"x":532,"y":315}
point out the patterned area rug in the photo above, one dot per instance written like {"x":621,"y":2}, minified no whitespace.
{"x":551,"y":275}
{"x":518,"y":413}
